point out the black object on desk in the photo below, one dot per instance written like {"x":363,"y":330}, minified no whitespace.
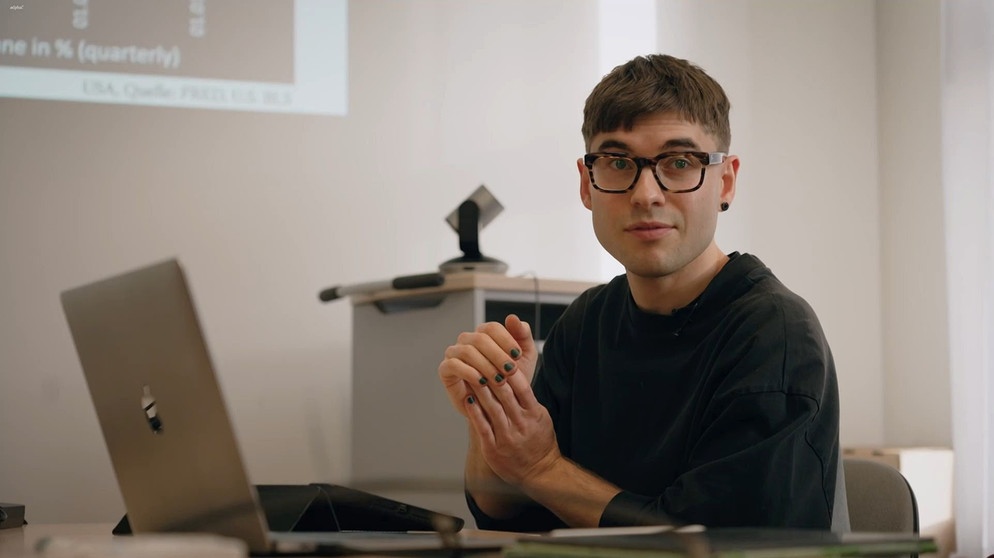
{"x":320,"y":507}
{"x":11,"y":516}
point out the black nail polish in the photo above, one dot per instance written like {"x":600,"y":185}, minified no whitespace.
{"x":483,"y":381}
{"x":515,"y":353}
{"x":499,"y":378}
{"x":470,"y":400}
{"x":508,"y":366}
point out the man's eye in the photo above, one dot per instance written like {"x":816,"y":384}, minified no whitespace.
{"x":678,"y":164}
{"x":620,"y":164}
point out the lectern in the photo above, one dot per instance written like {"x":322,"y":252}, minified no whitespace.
{"x":408,"y":443}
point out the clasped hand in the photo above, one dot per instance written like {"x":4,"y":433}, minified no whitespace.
{"x":487,"y":375}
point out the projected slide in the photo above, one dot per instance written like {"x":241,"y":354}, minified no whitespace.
{"x":249,"y":55}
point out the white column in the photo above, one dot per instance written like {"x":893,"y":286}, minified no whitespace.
{"x":627,"y":28}
{"x":968,"y":186}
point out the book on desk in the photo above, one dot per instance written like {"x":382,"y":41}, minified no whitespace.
{"x":724,"y":542}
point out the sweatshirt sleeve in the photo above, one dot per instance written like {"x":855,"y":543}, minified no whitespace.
{"x":534,"y":518}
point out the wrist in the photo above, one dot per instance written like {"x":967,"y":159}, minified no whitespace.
{"x":575,"y":495}
{"x":552,"y":466}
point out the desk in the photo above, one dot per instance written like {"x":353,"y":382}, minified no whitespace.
{"x":21,"y":541}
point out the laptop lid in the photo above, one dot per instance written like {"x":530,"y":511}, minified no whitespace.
{"x":160,"y":407}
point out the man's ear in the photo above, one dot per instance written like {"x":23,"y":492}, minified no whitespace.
{"x":584,"y":183}
{"x":728,"y":178}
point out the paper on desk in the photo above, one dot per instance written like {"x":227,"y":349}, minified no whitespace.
{"x":619,"y":531}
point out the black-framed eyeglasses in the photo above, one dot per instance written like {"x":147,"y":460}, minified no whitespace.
{"x":677,"y":171}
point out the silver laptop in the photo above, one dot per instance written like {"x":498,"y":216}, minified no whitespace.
{"x":170,"y":439}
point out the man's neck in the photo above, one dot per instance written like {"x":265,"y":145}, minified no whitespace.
{"x":665,"y":295}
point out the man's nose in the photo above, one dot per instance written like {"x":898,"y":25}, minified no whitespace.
{"x":646,"y":191}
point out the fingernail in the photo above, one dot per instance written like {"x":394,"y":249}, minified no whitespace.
{"x":515,"y":353}
{"x":483,"y":381}
{"x":508,"y":366}
{"x":470,"y":400}
{"x":499,"y":378}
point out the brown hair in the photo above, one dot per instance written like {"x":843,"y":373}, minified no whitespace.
{"x":652,"y":84}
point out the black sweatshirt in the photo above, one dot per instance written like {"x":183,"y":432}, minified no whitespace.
{"x":724,"y":413}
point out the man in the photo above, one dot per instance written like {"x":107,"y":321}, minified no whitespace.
{"x":695,"y":388}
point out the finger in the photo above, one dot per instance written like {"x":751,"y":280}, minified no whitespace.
{"x":458,"y":396}
{"x":523,"y":392}
{"x":504,"y":393}
{"x":478,"y":421}
{"x":486,"y":340}
{"x":494,"y":410}
{"x":522,"y":333}
{"x":458,"y":377}
{"x":468,"y":351}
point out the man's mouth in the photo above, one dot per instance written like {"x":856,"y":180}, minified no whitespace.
{"x":648,"y":230}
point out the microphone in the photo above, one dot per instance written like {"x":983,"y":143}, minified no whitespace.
{"x":436,"y":279}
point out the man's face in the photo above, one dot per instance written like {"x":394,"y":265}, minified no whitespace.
{"x":652,"y":232}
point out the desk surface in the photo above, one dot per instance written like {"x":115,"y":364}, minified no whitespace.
{"x":22,"y":540}
{"x":463,"y":281}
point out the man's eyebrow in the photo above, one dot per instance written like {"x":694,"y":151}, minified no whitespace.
{"x":613,"y":144}
{"x":675,"y":143}
{"x":686,"y":143}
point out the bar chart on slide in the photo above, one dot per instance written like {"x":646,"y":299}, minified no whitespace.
{"x":265,"y":55}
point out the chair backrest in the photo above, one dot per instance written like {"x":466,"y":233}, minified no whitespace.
{"x":880,"y":498}
{"x":840,"y":510}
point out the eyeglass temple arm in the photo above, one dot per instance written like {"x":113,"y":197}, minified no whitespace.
{"x":716,"y":157}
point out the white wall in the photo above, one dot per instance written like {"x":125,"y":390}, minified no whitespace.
{"x":915,"y":340}
{"x":264,"y":210}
